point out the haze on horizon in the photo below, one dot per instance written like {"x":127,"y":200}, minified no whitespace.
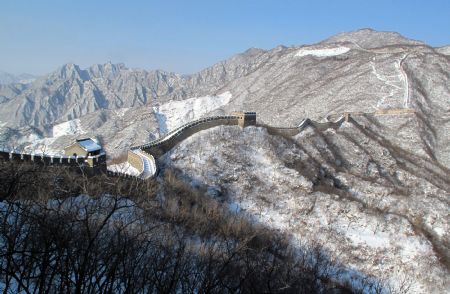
{"x":187,"y":36}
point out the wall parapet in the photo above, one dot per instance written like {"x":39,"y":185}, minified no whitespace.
{"x":160,"y":146}
{"x":48,"y":159}
{"x":135,"y":160}
{"x":122,"y":175}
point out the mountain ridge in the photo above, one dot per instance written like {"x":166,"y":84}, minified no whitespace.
{"x":281,"y":85}
{"x":23,"y":78}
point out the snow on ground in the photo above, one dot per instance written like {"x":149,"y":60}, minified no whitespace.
{"x":39,"y":145}
{"x":71,"y":127}
{"x":176,"y":113}
{"x":261,"y":185}
{"x":121,"y":111}
{"x":322,"y":52}
{"x":124,"y":168}
{"x":394,"y":93}
{"x":443,"y":50}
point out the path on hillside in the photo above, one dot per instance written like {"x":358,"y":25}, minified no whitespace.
{"x":390,"y":80}
{"x":406,"y":95}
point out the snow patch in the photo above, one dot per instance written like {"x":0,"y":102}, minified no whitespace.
{"x":71,"y":127}
{"x":325,"y":52}
{"x":121,"y":111}
{"x":367,"y":236}
{"x":440,"y":231}
{"x":176,"y":113}
{"x":40,"y":145}
{"x":125,"y":168}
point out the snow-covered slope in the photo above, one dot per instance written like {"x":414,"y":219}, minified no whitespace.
{"x":124,"y":168}
{"x":71,"y":127}
{"x":176,"y":113}
{"x":444,"y":50}
{"x":375,"y":207}
{"x":323,"y":52}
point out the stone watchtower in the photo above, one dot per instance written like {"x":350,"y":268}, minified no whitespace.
{"x":92,"y":152}
{"x":245,"y":118}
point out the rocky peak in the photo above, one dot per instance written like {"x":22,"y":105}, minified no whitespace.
{"x":70,"y":71}
{"x":107,"y":70}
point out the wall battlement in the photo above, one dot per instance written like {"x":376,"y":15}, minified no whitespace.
{"x":98,"y":161}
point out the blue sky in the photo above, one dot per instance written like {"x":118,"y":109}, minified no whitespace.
{"x":186,"y":36}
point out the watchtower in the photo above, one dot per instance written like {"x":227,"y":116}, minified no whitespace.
{"x":92,"y":152}
{"x":245,"y":118}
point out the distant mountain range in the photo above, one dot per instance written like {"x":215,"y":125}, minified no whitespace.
{"x":71,"y":92}
{"x":7,"y":78}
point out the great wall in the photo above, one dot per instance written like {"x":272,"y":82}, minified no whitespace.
{"x":48,"y":159}
{"x":144,"y":157}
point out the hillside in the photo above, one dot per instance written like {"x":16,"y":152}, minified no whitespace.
{"x":372,"y":192}
{"x":373,"y":205}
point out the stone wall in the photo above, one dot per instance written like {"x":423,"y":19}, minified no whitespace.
{"x":135,"y":161}
{"x":395,"y":111}
{"x":122,"y":175}
{"x":164,"y":144}
{"x":91,"y":161}
{"x":245,"y":118}
{"x":75,"y":149}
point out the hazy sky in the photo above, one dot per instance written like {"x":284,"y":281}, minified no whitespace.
{"x":37,"y":36}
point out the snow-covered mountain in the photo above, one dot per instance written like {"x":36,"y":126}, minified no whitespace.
{"x":8,"y":78}
{"x":360,"y":71}
{"x":375,"y":191}
{"x":71,"y":92}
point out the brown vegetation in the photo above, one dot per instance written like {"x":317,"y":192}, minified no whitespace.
{"x":62,"y":231}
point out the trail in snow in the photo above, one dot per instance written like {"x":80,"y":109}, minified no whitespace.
{"x":406,"y":95}
{"x":395,"y":81}
{"x":399,"y":65}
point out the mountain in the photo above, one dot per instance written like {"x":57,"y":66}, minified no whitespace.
{"x":7,"y":78}
{"x":444,"y":50}
{"x":374,"y":190}
{"x":362,"y":71}
{"x":369,"y":39}
{"x":71,"y":92}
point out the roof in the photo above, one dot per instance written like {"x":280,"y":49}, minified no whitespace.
{"x":89,"y":145}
